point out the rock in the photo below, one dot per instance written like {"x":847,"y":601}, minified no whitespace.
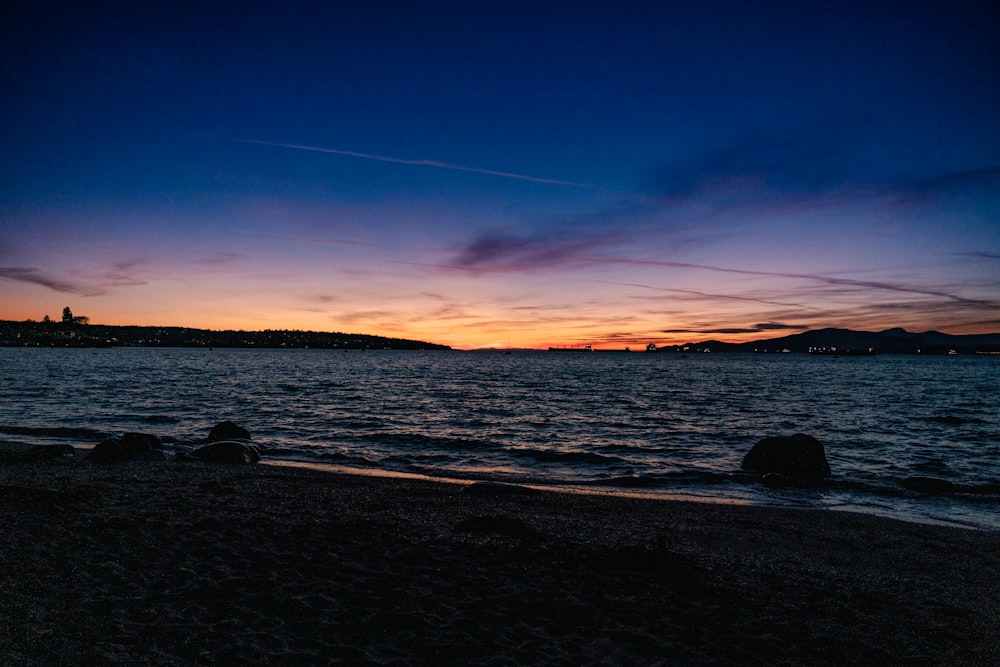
{"x":227,"y":430}
{"x":139,"y":446}
{"x":800,"y":457}
{"x":108,"y":451}
{"x":51,"y":452}
{"x":930,"y":485}
{"x":226,"y":451}
{"x":151,"y":456}
{"x":137,"y":443}
{"x":36,"y":453}
{"x":776,"y":480}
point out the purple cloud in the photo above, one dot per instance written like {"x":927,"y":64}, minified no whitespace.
{"x":495,"y":251}
{"x":757,"y":328}
{"x":34,"y":276}
{"x":826,"y":280}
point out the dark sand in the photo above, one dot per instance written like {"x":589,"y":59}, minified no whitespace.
{"x":178,"y":564}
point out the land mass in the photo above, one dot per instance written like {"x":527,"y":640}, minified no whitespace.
{"x":890,"y":341}
{"x":74,"y":334}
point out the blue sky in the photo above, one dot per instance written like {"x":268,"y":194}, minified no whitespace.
{"x":485,"y":174}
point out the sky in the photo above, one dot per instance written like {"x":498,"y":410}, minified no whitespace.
{"x":503,"y":174}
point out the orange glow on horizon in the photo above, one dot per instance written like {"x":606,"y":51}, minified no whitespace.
{"x":463,"y":334}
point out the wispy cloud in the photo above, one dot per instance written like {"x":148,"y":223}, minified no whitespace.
{"x":827,"y":280}
{"x":119,"y":274}
{"x":756,"y":328}
{"x":976,"y":179}
{"x":37,"y":277}
{"x":544,"y":250}
{"x":494,"y":252}
{"x":219,"y":259}
{"x":814,"y":168}
{"x":982,"y":255}
{"x":705,"y":295}
{"x":435,"y":164}
{"x":807,"y":163}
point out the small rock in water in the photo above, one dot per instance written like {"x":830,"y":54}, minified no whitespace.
{"x":227,"y":430}
{"x":799,"y":457}
{"x":930,"y":485}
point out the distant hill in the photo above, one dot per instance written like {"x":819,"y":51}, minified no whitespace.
{"x":63,"y":334}
{"x":890,"y":341}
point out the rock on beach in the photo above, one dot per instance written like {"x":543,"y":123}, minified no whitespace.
{"x":131,"y":446}
{"x":227,"y":430}
{"x":226,"y":451}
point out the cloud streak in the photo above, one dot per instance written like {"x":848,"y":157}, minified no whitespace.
{"x":757,"y":328}
{"x":707,"y":295}
{"x":36,"y":277}
{"x":494,"y":252}
{"x":435,"y":164}
{"x":828,"y":280}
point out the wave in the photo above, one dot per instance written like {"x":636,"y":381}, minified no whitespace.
{"x":422,"y":440}
{"x":555,"y":456}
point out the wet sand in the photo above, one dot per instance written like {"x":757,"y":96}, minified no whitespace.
{"x":179,"y":564}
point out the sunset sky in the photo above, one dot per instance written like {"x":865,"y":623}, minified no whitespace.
{"x":503,"y":174}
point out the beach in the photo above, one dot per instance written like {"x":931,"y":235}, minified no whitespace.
{"x":166,"y":563}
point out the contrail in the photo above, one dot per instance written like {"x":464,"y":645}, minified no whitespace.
{"x":418,"y":163}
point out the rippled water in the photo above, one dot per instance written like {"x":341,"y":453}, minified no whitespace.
{"x":656,"y":423}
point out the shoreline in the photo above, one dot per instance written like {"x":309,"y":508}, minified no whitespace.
{"x":661,"y":494}
{"x":918,"y":508}
{"x":178,"y":563}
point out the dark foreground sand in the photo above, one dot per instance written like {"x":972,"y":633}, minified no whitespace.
{"x":177,"y":564}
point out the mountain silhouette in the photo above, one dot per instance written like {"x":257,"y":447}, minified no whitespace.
{"x":891,"y":341}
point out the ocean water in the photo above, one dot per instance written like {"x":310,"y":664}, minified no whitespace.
{"x":606,"y":422}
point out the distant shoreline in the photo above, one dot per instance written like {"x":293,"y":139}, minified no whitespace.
{"x":60,"y":334}
{"x":822,"y":342}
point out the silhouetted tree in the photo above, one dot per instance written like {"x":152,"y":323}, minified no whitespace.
{"x":69,"y":318}
{"x":46,"y":319}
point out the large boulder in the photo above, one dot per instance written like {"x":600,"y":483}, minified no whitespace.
{"x":227,"y":430}
{"x":11,"y":453}
{"x":799,"y":457}
{"x":226,"y":451}
{"x":108,"y":451}
{"x":138,"y":443}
